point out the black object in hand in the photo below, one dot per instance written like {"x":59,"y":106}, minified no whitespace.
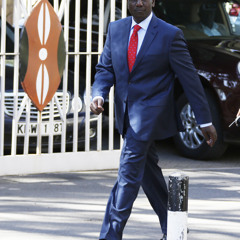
{"x":238,"y":122}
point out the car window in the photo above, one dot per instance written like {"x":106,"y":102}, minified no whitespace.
{"x":232,"y":12}
{"x":199,"y":19}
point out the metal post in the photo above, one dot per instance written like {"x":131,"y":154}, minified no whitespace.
{"x":177,"y":207}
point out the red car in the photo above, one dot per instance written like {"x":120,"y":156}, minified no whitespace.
{"x":234,"y":11}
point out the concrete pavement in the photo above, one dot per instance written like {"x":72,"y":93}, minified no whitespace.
{"x":71,"y":206}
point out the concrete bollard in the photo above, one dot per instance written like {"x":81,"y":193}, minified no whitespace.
{"x":177,"y":207}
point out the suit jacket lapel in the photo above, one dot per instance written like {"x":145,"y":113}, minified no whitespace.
{"x":150,"y":35}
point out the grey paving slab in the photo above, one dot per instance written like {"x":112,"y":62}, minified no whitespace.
{"x":71,"y":206}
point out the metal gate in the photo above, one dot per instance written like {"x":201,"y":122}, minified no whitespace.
{"x":65,"y":136}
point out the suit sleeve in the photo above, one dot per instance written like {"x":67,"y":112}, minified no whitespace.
{"x":104,"y":77}
{"x":182,"y":65}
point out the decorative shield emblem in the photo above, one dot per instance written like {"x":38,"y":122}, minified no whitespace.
{"x":42,"y":54}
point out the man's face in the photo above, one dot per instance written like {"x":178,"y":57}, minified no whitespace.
{"x":207,"y":18}
{"x":140,"y":9}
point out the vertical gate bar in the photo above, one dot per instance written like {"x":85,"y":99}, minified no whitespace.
{"x":39,"y":135}
{"x":62,"y":8}
{"x":111,"y":119}
{"x":124,"y":14}
{"x":26,"y":136}
{"x":76,"y":75}
{"x":111,"y":94}
{"x":2,"y":100}
{"x":16,"y":69}
{"x":55,"y":6}
{"x":113,"y":10}
{"x":88,"y":75}
{"x":65,"y":76}
{"x":50,"y":139}
{"x":100,"y":49}
{"x":51,"y":122}
{"x":124,"y":8}
{"x":23,"y":8}
{"x":106,"y":15}
{"x":101,"y":26}
{"x":29,"y":7}
{"x":2,"y":75}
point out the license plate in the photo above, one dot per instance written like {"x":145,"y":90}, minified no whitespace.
{"x":46,"y":129}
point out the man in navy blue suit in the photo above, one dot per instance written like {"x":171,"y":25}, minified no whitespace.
{"x":145,"y":108}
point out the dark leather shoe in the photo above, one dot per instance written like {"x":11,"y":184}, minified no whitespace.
{"x":164,"y":237}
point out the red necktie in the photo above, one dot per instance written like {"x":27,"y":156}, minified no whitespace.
{"x":132,"y":48}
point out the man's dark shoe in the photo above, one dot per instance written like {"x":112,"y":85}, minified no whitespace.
{"x":164,"y":237}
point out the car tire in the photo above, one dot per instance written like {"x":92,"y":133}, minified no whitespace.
{"x":191,"y":143}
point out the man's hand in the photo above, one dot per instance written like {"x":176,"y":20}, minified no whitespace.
{"x":210,"y":135}
{"x":97,"y":106}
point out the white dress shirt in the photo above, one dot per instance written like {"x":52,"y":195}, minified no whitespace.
{"x":141,"y":34}
{"x":211,"y":31}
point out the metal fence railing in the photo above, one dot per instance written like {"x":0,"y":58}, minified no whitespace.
{"x":66,"y":125}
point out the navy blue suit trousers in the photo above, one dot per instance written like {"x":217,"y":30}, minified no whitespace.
{"x":138,"y":167}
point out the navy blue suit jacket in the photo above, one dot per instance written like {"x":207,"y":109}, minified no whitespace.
{"x":148,"y":90}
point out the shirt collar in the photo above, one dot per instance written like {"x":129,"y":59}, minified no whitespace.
{"x":144,"y":24}
{"x":215,"y":26}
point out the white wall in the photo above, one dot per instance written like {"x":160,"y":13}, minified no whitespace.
{"x":59,"y":162}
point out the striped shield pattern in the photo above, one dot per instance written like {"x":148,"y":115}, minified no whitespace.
{"x":42,"y":54}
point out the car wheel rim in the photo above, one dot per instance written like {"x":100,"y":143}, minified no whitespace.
{"x":192,"y":137}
